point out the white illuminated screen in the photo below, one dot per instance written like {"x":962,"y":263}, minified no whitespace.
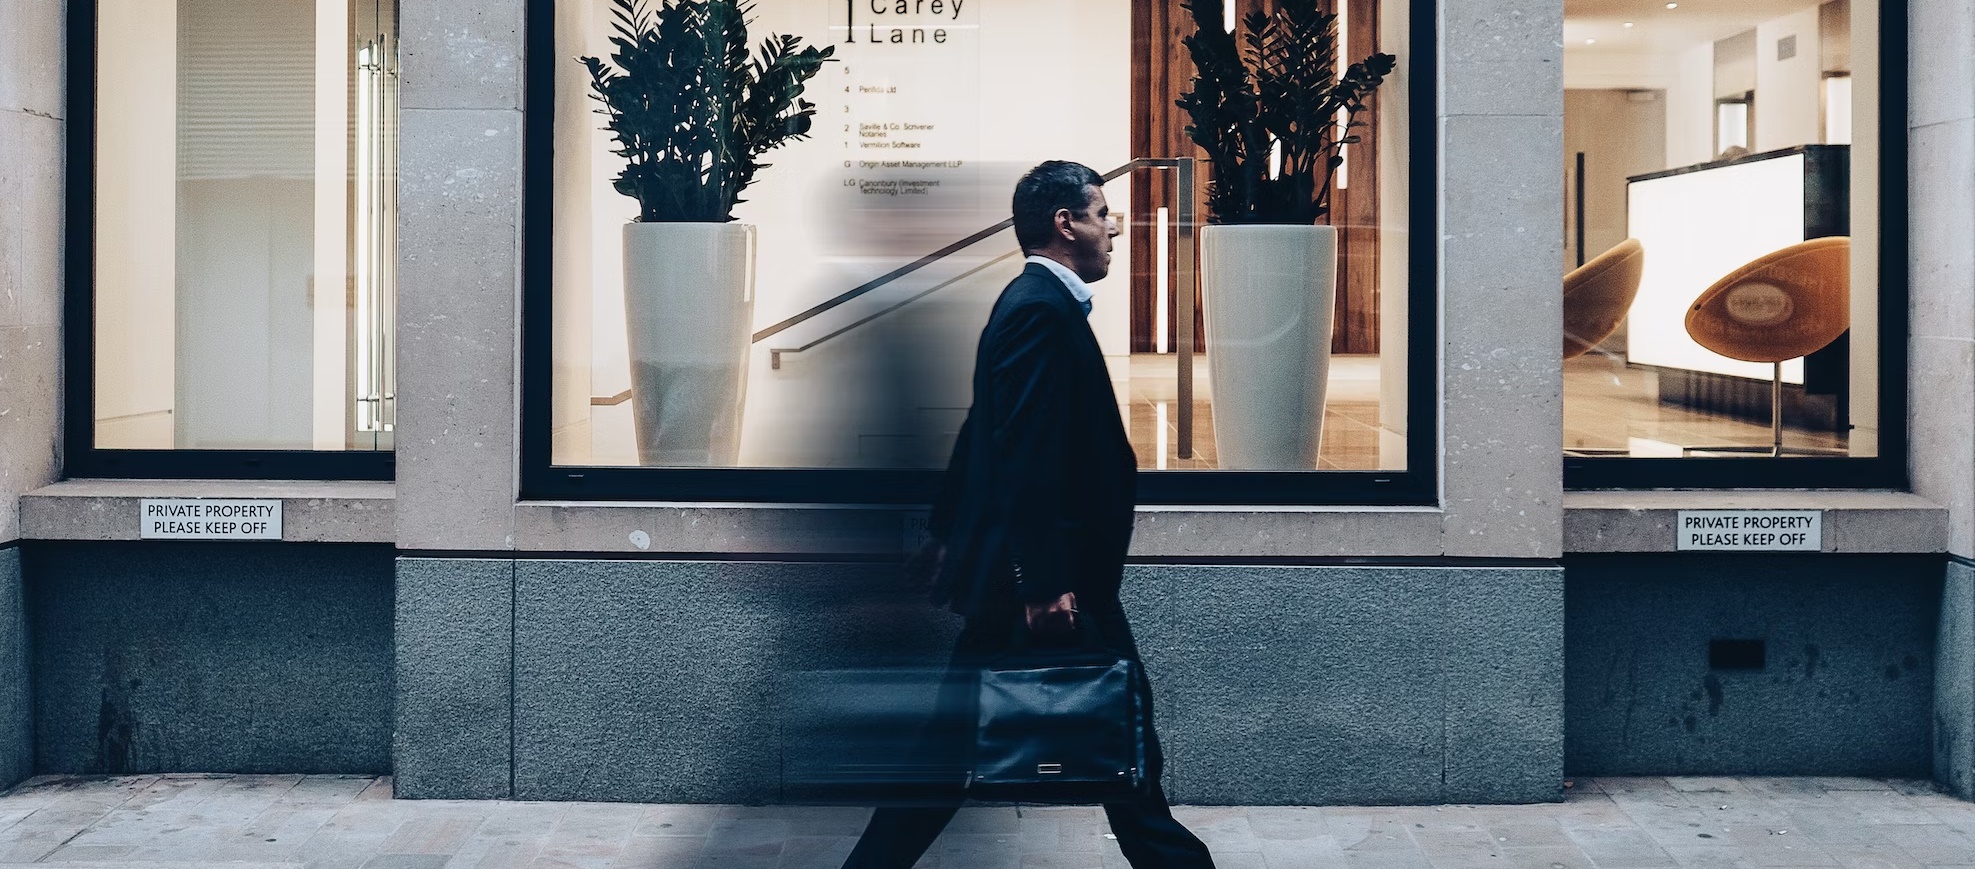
{"x":1697,"y":227}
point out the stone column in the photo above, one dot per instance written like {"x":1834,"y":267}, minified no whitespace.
{"x":32,"y":131}
{"x":1941,"y":362}
{"x":459,"y":253}
{"x":1501,"y":375}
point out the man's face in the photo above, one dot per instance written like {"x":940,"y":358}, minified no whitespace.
{"x":1090,"y":236}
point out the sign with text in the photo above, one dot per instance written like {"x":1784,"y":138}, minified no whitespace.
{"x":1751,"y":530}
{"x":209,"y":519}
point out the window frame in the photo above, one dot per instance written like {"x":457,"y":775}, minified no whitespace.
{"x":542,"y":479}
{"x":1888,"y":469}
{"x":82,"y":458}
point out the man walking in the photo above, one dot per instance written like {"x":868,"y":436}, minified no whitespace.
{"x":1033,"y":522}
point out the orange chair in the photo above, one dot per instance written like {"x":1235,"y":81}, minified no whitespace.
{"x":1780,"y":306}
{"x":1597,"y":295}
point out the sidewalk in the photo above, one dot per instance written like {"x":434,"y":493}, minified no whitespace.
{"x":332,"y":822}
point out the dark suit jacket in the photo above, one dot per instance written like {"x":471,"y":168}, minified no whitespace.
{"x":1038,"y":496}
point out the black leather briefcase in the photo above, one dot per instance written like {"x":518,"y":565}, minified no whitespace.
{"x":1063,"y":727}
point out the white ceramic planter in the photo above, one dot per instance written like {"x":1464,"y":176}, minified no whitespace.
{"x":1269,"y":293}
{"x":689,"y":309}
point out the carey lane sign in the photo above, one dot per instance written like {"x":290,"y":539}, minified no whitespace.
{"x":209,"y":519}
{"x":1751,"y":530}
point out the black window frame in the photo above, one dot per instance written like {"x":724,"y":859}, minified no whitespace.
{"x":82,"y":458}
{"x":541,"y":479}
{"x":1888,"y":469}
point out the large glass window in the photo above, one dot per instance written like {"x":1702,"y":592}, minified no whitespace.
{"x":244,"y":190}
{"x":1727,"y":294}
{"x":833,"y":324}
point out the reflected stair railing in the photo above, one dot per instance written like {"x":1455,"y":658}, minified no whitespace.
{"x":1183,"y":333}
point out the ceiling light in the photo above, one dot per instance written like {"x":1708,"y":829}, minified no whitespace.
{"x":1628,"y":25}
{"x":1673,"y":6}
{"x":1590,"y":42}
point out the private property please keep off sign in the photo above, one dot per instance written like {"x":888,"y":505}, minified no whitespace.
{"x":209,"y":519}
{"x":1751,"y":530}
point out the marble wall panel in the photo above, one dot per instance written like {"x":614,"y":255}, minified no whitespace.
{"x":458,"y":249}
{"x":1940,"y":60}
{"x":31,"y":214}
{"x":1941,"y":173}
{"x":1501,"y":57}
{"x":1501,"y":309}
{"x":30,"y":417}
{"x":32,"y":57}
{"x":462,"y":54}
{"x":1941,"y":373}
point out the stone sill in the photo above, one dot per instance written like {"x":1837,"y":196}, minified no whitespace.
{"x":364,"y":512}
{"x":1854,"y":521}
{"x":312,"y":511}
{"x":768,"y":529}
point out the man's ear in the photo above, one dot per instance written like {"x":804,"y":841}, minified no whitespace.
{"x":1061,"y":222}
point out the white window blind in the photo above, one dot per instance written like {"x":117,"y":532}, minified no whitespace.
{"x":246,"y":89}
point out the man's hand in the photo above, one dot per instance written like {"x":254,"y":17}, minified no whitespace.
{"x":923,"y":567}
{"x":1056,"y":618}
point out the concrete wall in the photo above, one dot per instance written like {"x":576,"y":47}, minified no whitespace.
{"x":1848,"y":686}
{"x":658,"y":680}
{"x":210,"y":657}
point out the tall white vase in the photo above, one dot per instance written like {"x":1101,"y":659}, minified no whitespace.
{"x":689,"y":312}
{"x":1269,"y":293}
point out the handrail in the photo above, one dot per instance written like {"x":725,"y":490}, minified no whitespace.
{"x":775,"y":353}
{"x":906,"y":269}
{"x":1184,"y":313}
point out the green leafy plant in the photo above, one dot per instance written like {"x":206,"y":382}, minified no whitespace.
{"x":691,"y":111}
{"x":1278,"y":88}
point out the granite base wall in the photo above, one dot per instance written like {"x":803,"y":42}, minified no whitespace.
{"x":16,"y":697}
{"x":210,"y":657}
{"x":1954,"y":682}
{"x":661,"y":680}
{"x":1846,"y":686}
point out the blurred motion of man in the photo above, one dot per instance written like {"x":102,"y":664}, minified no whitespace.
{"x":1035,"y":515}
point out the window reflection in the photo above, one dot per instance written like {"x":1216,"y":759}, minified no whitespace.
{"x":245,"y":224}
{"x":1723,"y":154}
{"x":874,"y":257}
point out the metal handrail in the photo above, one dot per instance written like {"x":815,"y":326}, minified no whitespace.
{"x":775,"y":353}
{"x":1184,"y":280}
{"x":924,"y":261}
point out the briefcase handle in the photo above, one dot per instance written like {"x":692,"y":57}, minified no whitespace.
{"x":1089,"y":637}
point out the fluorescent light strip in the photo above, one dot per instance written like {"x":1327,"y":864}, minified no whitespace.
{"x":1161,"y":286}
{"x":1343,"y":118}
{"x":364,"y":235}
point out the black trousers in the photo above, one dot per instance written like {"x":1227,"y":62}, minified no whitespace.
{"x":1147,"y":833}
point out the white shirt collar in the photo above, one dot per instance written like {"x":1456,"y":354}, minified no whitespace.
{"x":1078,"y":289}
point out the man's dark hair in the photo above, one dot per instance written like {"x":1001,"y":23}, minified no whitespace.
{"x":1051,"y":186}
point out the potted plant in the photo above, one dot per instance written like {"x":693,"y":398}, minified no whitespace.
{"x":692,"y":114}
{"x":1272,"y":114}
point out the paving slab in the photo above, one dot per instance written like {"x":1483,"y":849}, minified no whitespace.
{"x":354,"y":822}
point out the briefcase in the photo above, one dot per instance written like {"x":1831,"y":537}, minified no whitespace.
{"x":1064,"y":727}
